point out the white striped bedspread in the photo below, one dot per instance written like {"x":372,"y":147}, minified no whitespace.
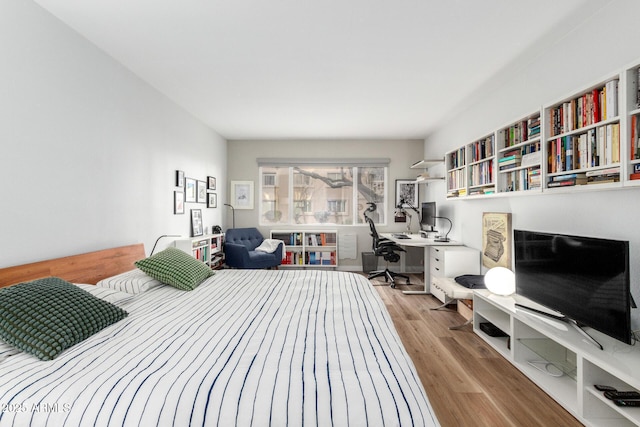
{"x":246,"y":348}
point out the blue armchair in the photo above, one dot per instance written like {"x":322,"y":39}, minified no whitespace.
{"x":239,"y":250}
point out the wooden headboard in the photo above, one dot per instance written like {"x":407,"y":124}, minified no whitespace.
{"x":85,"y":268}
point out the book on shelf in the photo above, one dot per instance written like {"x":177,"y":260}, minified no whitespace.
{"x":512,"y":165}
{"x":634,"y":176}
{"x":589,"y":108}
{"x":514,"y":157}
{"x":611,"y":99}
{"x":567,"y":182}
{"x":608,"y":171}
{"x":482,"y":149}
{"x":531,"y":159}
{"x":634,"y":149}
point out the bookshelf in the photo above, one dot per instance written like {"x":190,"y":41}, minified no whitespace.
{"x":520,"y":155}
{"x":207,"y":249}
{"x":582,"y":139}
{"x":632,"y":104}
{"x":470,"y":170}
{"x":588,"y":140}
{"x":456,"y":172}
{"x":309,"y":248}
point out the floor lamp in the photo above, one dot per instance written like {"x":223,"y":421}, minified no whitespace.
{"x":233,"y":214}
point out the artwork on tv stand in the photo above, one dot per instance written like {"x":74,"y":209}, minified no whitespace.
{"x":496,"y":239}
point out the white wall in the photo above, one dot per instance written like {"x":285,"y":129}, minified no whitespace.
{"x":403,"y":153}
{"x":89,"y":151}
{"x":604,"y":44}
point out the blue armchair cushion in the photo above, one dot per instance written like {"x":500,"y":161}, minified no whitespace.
{"x":239,"y":250}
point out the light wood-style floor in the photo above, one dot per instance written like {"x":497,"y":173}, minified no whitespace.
{"x":468,"y":383}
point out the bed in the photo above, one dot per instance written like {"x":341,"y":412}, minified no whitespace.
{"x":245,"y":347}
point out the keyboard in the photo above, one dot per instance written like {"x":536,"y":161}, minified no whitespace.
{"x":401,"y":236}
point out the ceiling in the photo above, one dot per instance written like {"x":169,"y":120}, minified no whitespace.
{"x":305,"y":69}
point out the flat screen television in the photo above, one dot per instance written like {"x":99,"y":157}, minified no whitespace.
{"x":428,"y":215}
{"x":585,"y":279}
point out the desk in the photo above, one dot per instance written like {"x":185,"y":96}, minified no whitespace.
{"x":416,"y":241}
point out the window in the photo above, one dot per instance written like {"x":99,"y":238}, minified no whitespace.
{"x":337,"y":194}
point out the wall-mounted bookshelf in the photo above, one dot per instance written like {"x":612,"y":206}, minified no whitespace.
{"x":582,"y":141}
{"x":632,"y":104}
{"x":588,"y":140}
{"x":520,"y":155}
{"x":456,"y":172}
{"x":470,"y":170}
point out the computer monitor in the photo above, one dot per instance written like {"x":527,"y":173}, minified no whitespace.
{"x":428,"y":216}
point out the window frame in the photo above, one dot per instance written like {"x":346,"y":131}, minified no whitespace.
{"x":353,"y":200}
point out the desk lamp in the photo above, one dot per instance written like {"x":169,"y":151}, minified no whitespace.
{"x":401,"y":206}
{"x":446,"y":236}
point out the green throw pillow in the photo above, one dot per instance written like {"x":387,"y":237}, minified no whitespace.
{"x":49,"y":315}
{"x":176,"y":268}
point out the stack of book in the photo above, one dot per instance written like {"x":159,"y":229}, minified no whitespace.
{"x":636,"y":172}
{"x":603,"y":176}
{"x":567,"y":180}
{"x":534,"y":179}
{"x":510,"y":160}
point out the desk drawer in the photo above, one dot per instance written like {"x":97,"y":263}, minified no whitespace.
{"x":436,"y":270}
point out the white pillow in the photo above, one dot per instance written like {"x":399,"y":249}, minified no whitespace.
{"x":105,"y":294}
{"x":132,"y":282}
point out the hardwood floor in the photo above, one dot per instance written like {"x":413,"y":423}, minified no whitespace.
{"x":468,"y":383}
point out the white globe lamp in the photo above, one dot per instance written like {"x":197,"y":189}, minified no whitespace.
{"x":500,"y":281}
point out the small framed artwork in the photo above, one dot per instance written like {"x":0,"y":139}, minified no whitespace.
{"x":212,"y":200}
{"x":180,"y":179}
{"x":242,"y":194}
{"x":178,"y":202}
{"x":406,"y":193}
{"x":496,"y":239}
{"x":201,"y":192}
{"x":189,"y":190}
{"x":211,"y":183}
{"x":196,"y":223}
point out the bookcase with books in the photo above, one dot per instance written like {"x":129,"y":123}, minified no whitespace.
{"x":589,"y":140}
{"x":309,"y":248}
{"x":582,"y":138}
{"x":456,"y":172}
{"x":520,"y":155}
{"x":632,"y":79}
{"x":207,"y":249}
{"x":470,"y":170}
{"x":481,"y":166}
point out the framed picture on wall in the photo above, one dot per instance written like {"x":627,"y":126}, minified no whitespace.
{"x":178,"y":202}
{"x":201,"y":192}
{"x":180,"y":179}
{"x":211,"y":183}
{"x":212,"y":200}
{"x":189,"y":190}
{"x":242,"y":194}
{"x":496,"y":239}
{"x":196,"y":223}
{"x":406,"y":193}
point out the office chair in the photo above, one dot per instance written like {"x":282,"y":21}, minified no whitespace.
{"x":385,"y":248}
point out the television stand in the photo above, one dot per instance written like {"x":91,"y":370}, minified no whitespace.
{"x":535,"y":340}
{"x":566,"y":320}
